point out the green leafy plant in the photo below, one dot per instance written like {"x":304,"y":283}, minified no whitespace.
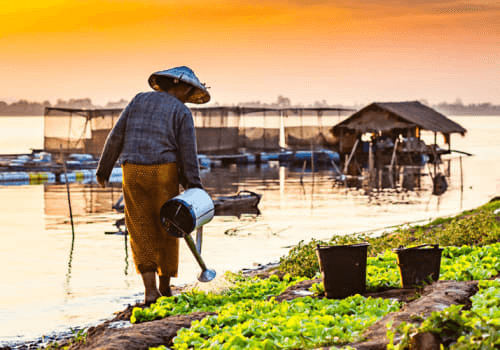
{"x":318,"y":288}
{"x":302,"y":260}
{"x":79,"y":336}
{"x":473,"y":227}
{"x":477,"y":328}
{"x":195,"y":300}
{"x":382,"y":271}
{"x":470,"y":263}
{"x":301,"y":323}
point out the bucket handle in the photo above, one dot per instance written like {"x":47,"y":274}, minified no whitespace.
{"x":355,"y":245}
{"x":435,"y":246}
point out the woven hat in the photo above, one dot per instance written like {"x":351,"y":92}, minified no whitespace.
{"x":171,"y":76}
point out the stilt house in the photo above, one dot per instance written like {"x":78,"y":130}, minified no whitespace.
{"x":385,"y":134}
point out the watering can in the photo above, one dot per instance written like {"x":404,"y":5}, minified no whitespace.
{"x":185,"y":213}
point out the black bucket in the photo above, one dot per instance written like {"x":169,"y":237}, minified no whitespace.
{"x":343,"y":269}
{"x":417,"y":264}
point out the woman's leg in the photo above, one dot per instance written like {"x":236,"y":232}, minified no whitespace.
{"x":168,"y":245}
{"x":165,"y":286}
{"x":151,"y":291}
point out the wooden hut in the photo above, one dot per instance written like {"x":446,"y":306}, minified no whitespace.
{"x":384,"y":134}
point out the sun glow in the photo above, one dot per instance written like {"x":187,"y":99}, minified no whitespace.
{"x":326,"y":45}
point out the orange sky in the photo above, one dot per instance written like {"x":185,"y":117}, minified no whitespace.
{"x":308,"y":50}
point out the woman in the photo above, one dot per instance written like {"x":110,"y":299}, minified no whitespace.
{"x":156,"y":143}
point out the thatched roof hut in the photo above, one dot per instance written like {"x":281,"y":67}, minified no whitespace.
{"x":387,"y":122}
{"x":389,"y":116}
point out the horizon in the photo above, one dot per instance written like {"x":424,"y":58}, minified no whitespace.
{"x":348,"y":53}
{"x":457,"y":102}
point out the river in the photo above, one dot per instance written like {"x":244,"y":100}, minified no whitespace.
{"x":52,"y":281}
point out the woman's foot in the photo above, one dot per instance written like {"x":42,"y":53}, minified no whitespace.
{"x":150,"y":298}
{"x":151,"y":292}
{"x":165,"y":289}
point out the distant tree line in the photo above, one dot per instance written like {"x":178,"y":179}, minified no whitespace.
{"x":284,"y":102}
{"x":458,"y":108}
{"x":26,"y":108}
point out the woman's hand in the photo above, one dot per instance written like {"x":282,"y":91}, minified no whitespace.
{"x":101,"y":181}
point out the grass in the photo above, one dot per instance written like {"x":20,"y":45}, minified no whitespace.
{"x":472,"y":227}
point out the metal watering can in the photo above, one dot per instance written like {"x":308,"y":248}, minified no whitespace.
{"x":185,"y":213}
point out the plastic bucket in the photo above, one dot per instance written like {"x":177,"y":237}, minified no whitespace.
{"x":186,"y":212}
{"x":416,"y":264}
{"x":343,"y":269}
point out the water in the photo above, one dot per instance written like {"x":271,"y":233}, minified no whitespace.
{"x":20,"y":134}
{"x":51,"y":281}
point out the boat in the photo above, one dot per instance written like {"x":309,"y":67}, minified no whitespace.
{"x":322,"y":156}
{"x":243,"y":199}
{"x":226,"y":159}
{"x":244,"y":202}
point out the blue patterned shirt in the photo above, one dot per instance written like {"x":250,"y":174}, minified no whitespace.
{"x":154,"y":128}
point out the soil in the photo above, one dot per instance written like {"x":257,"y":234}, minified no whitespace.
{"x":118,"y":333}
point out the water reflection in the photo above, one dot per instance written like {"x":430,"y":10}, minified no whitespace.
{"x":291,"y":196}
{"x":86,"y":199}
{"x":67,"y":287}
{"x":279,"y":183}
{"x":126,"y":254}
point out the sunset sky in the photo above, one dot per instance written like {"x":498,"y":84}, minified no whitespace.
{"x":343,"y":52}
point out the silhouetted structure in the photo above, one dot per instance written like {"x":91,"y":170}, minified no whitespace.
{"x":218,"y":129}
{"x":394,"y":130}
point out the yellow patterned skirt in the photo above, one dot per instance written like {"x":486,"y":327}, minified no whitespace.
{"x":145,"y":189}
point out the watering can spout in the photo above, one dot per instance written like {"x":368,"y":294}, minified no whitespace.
{"x":183,"y":214}
{"x":206,"y":274}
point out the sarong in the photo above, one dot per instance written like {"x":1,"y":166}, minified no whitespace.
{"x":145,"y":189}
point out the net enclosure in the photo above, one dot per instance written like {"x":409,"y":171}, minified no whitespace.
{"x":219,"y":129}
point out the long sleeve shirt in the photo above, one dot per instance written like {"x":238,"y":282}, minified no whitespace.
{"x":154,"y":128}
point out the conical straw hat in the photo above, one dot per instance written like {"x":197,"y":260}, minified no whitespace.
{"x":185,"y":74}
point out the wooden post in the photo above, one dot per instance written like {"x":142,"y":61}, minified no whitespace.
{"x":370,"y":165}
{"x":393,"y":159}
{"x":345,"y":175}
{"x":303,"y":171}
{"x":341,"y":144}
{"x":239,"y":130}
{"x":350,"y":156}
{"x":264,"y":130}
{"x":67,"y":191}
{"x":380,"y":178}
{"x":435,"y":153}
{"x":461,"y":184}
{"x":282,"y":141}
{"x":312,"y":171}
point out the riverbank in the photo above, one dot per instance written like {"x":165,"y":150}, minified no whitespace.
{"x":119,"y":333}
{"x":478,"y":227}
